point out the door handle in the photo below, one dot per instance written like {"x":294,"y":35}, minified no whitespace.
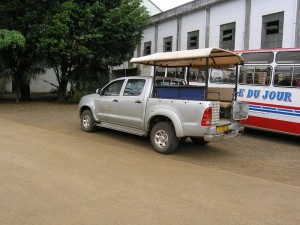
{"x":115,"y":100}
{"x":138,"y":101}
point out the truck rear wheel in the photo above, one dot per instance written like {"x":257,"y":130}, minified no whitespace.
{"x":87,"y":121}
{"x":163,"y":138}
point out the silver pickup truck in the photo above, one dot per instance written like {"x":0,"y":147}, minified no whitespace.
{"x":167,"y":113}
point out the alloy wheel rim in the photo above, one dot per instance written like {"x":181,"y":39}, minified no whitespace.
{"x":161,"y":139}
{"x":86,"y":121}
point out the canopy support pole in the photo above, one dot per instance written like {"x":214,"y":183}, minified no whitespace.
{"x":206,"y":77}
{"x":154,"y":81}
{"x":188,"y":75}
{"x":236,"y":82}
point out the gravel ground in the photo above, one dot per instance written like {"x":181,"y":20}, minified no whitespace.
{"x":264,"y":155}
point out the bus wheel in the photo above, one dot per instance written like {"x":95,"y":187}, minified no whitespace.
{"x":163,"y":138}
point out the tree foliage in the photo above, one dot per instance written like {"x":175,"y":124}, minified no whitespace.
{"x":74,"y":36}
{"x":11,"y":40}
{"x":83,"y":35}
{"x":24,"y":17}
{"x":12,"y":45}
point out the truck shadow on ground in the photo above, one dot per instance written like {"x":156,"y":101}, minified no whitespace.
{"x":142,"y":144}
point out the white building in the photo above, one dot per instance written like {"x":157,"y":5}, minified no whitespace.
{"x":228,"y":24}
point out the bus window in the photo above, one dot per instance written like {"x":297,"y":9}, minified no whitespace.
{"x":258,"y":57}
{"x":288,"y":57}
{"x":223,"y":76}
{"x":296,"y":81}
{"x":296,"y":77}
{"x":255,"y":75}
{"x":197,"y":75}
{"x":170,"y":72}
{"x":160,"y":71}
{"x":287,"y":76}
{"x":176,"y":72}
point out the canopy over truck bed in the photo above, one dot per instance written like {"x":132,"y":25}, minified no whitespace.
{"x":199,"y":58}
{"x":206,"y":58}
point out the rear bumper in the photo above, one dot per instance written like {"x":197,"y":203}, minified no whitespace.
{"x":222,"y":136}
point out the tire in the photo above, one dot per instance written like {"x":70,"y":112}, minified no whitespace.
{"x":163,"y":138}
{"x":87,"y":121}
{"x":198,"y":141}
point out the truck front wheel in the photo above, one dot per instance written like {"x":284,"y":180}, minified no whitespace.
{"x":87,"y":121}
{"x":163,"y":138}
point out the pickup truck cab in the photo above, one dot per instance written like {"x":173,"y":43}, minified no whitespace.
{"x":167,"y":110}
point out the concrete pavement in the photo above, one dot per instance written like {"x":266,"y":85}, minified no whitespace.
{"x":50,"y":178}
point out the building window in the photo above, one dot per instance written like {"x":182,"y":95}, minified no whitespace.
{"x":147,"y":48}
{"x":168,"y":44}
{"x":193,"y":40}
{"x":272,"y":30}
{"x":227,"y":36}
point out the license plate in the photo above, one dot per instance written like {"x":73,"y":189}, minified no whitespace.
{"x":222,"y":128}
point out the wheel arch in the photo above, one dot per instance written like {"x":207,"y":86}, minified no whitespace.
{"x":86,"y":107}
{"x":166,"y":115}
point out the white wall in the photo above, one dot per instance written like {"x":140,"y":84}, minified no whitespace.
{"x":149,"y":35}
{"x":220,"y":14}
{"x":167,"y":29}
{"x":145,"y":70}
{"x":192,"y":22}
{"x":260,"y":8}
{"x":8,"y":87}
{"x":38,"y":85}
{"x":227,"y":12}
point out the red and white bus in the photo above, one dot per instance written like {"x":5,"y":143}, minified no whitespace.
{"x":269,"y":81}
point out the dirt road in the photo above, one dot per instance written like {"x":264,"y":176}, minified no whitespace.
{"x":270,"y":156}
{"x":53,"y":173}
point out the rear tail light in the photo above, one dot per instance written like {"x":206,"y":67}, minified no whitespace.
{"x":207,"y":117}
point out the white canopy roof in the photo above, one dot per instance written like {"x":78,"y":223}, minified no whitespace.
{"x":218,"y":58}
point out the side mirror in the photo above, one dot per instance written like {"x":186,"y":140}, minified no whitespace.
{"x":98,"y":91}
